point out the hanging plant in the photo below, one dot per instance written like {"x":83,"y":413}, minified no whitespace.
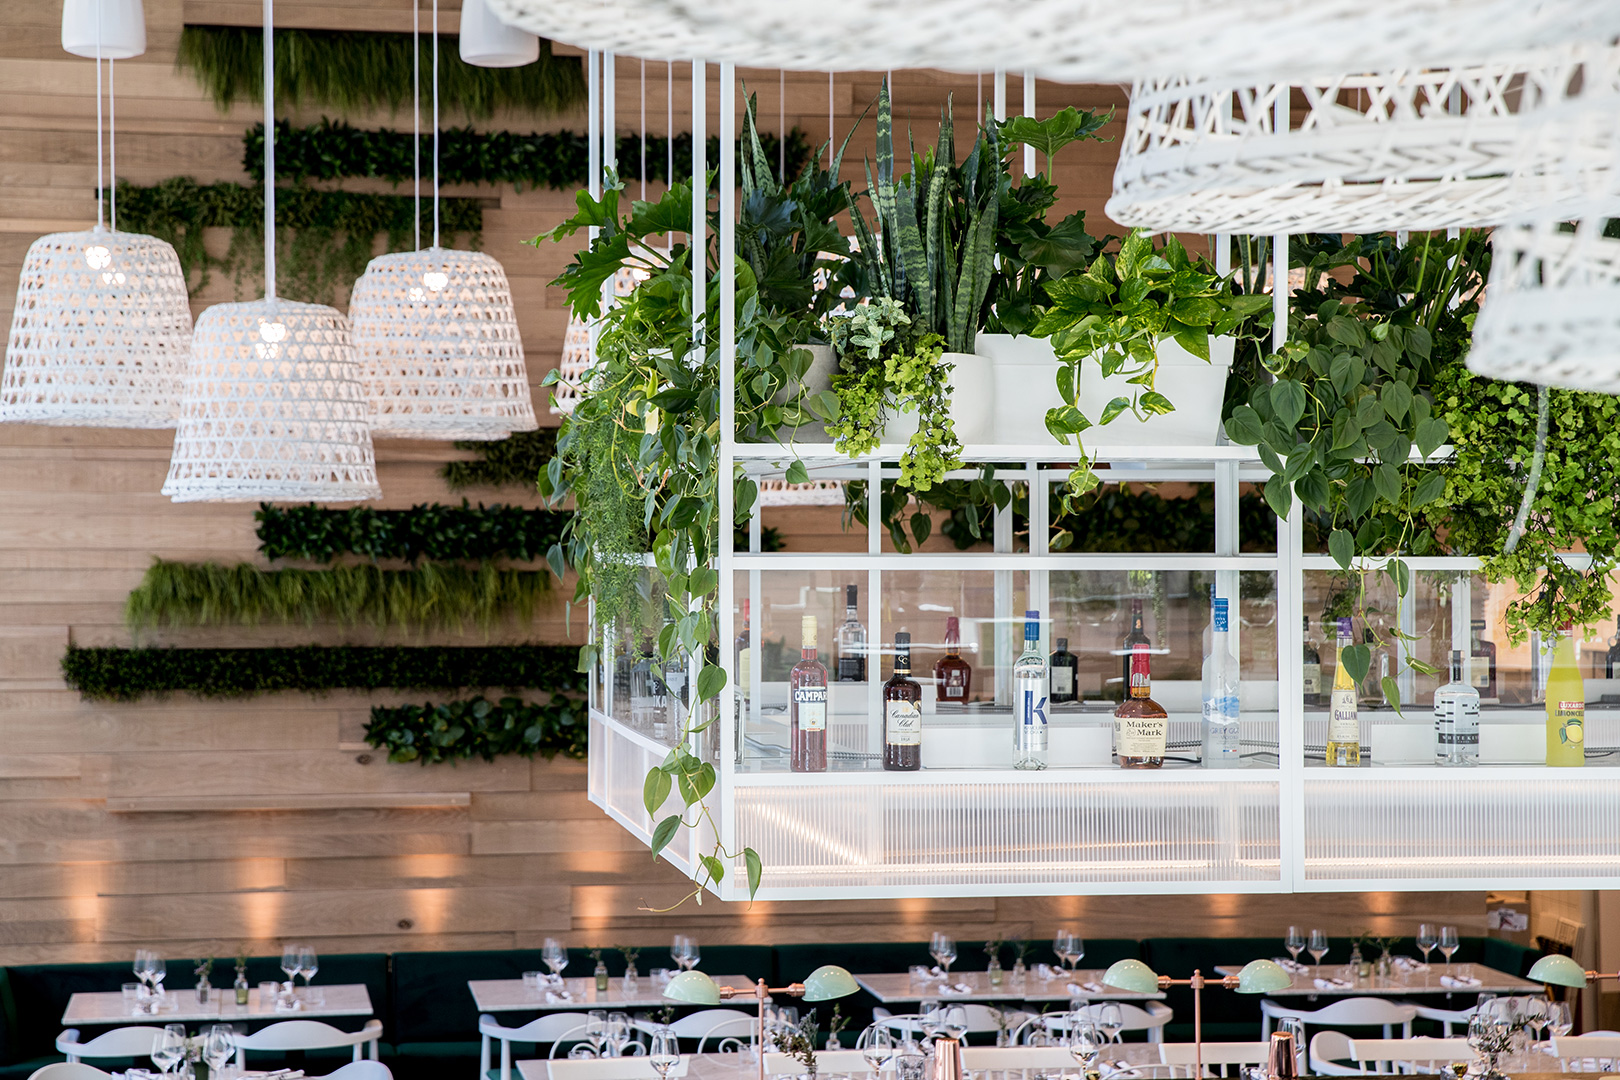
{"x":515,"y":461}
{"x":427,"y":531}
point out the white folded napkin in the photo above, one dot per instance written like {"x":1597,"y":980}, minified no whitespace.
{"x":283,"y":1005}
{"x":1333,"y":984}
{"x":1408,"y":964}
{"x":1293,"y":967}
{"x":1079,"y":989}
{"x":553,"y":996}
{"x":955,"y":988}
{"x":1045,"y":971}
{"x":1458,"y":980}
{"x":937,"y":972}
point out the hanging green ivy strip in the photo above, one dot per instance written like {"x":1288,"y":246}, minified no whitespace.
{"x":118,"y":674}
{"x":334,"y":150}
{"x":514,"y":461}
{"x":434,"y":595}
{"x":429,"y":531}
{"x":460,"y":730}
{"x":325,"y":237}
{"x":360,"y":71}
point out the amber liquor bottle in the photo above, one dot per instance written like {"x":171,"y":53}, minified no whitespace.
{"x":953,"y":676}
{"x":1140,"y":723}
{"x":902,"y":712}
{"x":807,"y":706}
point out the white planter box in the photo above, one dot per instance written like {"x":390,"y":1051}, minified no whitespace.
{"x":973,"y":389}
{"x":1024,"y":372}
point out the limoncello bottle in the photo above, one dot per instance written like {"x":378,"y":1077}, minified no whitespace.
{"x":1566,"y":705}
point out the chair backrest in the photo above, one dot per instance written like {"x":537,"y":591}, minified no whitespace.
{"x":1183,"y":1057}
{"x":361,"y":1070}
{"x":1135,"y":1017}
{"x":704,"y":1021}
{"x":1327,"y":1049}
{"x":613,"y":1068}
{"x":552,"y":1027}
{"x":306,"y":1035}
{"x":1387,"y":1055}
{"x":1577,"y":1047}
{"x":1352,"y":1010}
{"x":70,"y":1070}
{"x":135,"y":1041}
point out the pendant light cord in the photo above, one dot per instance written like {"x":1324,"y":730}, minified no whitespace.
{"x":416,"y":118}
{"x":112,"y":146}
{"x":435,"y":122}
{"x":100,"y":198}
{"x":269,"y":151}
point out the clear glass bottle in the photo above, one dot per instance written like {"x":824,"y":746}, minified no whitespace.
{"x":1140,"y":724}
{"x":1482,"y":662}
{"x":1566,"y":705}
{"x":643,"y":688}
{"x":1612,"y":660}
{"x":1065,"y":674}
{"x":1135,"y":636}
{"x":1312,"y":682}
{"x":807,"y":706}
{"x":851,"y":640}
{"x":1344,"y":722}
{"x":742,"y":663}
{"x":1456,"y":719}
{"x":902,"y":712}
{"x":953,"y":676}
{"x":1029,"y":699}
{"x":1223,"y":728}
{"x":241,"y":987}
{"x":601,"y":974}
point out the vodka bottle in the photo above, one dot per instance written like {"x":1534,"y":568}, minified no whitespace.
{"x":1344,"y":723}
{"x":1456,"y":719}
{"x":1223,"y":732}
{"x":851,"y":640}
{"x":1029,"y":699}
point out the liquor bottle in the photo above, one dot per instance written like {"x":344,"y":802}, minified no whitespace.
{"x":743,"y":665}
{"x":1344,"y":723}
{"x":1456,"y":719}
{"x":1029,"y":699}
{"x":1136,"y":636}
{"x":1223,"y":729}
{"x":1482,"y":662}
{"x":953,"y":676}
{"x":1566,"y":705}
{"x":1313,"y":669}
{"x":1140,"y":723}
{"x":1065,"y":674}
{"x":902,"y":712}
{"x":807,"y":706}
{"x":851,"y":640}
{"x":1613,"y":659}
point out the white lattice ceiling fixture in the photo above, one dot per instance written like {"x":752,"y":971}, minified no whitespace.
{"x":1412,"y":149}
{"x":273,"y":408}
{"x":1068,"y":40}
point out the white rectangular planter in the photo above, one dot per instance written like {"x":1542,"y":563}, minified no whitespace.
{"x":1024,"y":370}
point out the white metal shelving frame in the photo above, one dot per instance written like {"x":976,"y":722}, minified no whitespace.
{"x":976,"y":832}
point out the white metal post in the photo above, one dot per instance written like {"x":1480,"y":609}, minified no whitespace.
{"x":610,"y":113}
{"x":874,"y":605}
{"x":728,"y":425}
{"x":1001,"y":661}
{"x":1029,"y":111}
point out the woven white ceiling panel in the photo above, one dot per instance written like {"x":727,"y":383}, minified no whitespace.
{"x":273,"y":409}
{"x":438,"y":347}
{"x":1068,"y":40}
{"x":100,"y":334}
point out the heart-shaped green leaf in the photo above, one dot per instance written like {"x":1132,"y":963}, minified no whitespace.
{"x":655,"y":789}
{"x":1357,"y":659}
{"x":1342,"y":546}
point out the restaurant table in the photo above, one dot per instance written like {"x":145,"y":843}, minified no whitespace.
{"x":901,"y":988}
{"x":1491,"y":981}
{"x":339,"y":999}
{"x":510,"y":995}
{"x":744,"y":1066}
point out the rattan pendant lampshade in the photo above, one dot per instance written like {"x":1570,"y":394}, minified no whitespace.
{"x":273,"y":408}
{"x":102,"y":327}
{"x":437,"y":337}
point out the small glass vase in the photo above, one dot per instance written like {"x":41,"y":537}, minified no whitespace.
{"x":995,"y":972}
{"x":601,"y":977}
{"x":203,"y":989}
{"x":627,"y":985}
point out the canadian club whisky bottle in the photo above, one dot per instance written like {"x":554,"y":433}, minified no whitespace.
{"x":1140,"y":723}
{"x":1344,"y":722}
{"x":807,"y":701}
{"x":1566,"y":705}
{"x":953,"y":676}
{"x":851,"y":639}
{"x":1136,"y":636}
{"x":1029,"y":699}
{"x":902,"y":712}
{"x":1313,"y":669}
{"x":1065,"y":674}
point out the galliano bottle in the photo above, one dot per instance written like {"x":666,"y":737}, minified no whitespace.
{"x":1344,"y":723}
{"x":1029,"y":699}
{"x":807,"y":706}
{"x":1223,"y":730}
{"x":1140,"y":723}
{"x":1566,"y":705}
{"x":902,"y":712}
{"x":1456,"y":719}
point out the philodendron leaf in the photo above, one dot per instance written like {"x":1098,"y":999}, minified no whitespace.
{"x":1342,"y":546}
{"x":1392,"y":694}
{"x":714,"y":867}
{"x":703,"y":780}
{"x":1430,"y":434}
{"x":710,"y":681}
{"x":1114,"y":408}
{"x":1279,"y":496}
{"x":797,"y":473}
{"x":1288,"y":401}
{"x":1429,"y":489}
{"x":655,"y":790}
{"x":664,"y":833}
{"x":1357,"y":659}
{"x":587,"y":658}
{"x":755,"y":870}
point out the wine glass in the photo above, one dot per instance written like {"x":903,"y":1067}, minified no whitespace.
{"x":664,"y":1052}
{"x":169,"y":1046}
{"x":877,"y":1047}
{"x":1110,"y":1020}
{"x":1063,"y":943}
{"x":1559,"y":1020}
{"x":1426,"y":940}
{"x":943,"y":950}
{"x":289,"y":966}
{"x":308,"y":965}
{"x":1084,"y":1044}
{"x":618,"y":1032}
{"x":596,"y":1030}
{"x":928,"y":1017}
{"x":1318,"y":947}
{"x":694,"y":954}
{"x":556,"y":958}
{"x":217,"y":1048}
{"x":1448,"y":943}
{"x":954,"y":1022}
{"x":1294,"y":942}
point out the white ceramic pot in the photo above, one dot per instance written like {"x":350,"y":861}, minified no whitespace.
{"x":823,"y":366}
{"x":973,"y":391}
{"x":1025,"y":376}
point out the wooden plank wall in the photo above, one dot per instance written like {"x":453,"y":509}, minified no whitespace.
{"x":107,"y":836}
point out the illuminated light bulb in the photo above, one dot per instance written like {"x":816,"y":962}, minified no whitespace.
{"x":435,"y":279}
{"x":417,"y":294}
{"x":97,"y":256}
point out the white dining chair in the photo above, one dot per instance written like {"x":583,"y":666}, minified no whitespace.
{"x":1346,"y":1012}
{"x":69,"y":1070}
{"x":1328,"y":1051}
{"x":361,"y":1070}
{"x":121,"y":1042}
{"x":613,"y":1068}
{"x":307,"y":1035}
{"x":554,"y":1028}
{"x":1408,"y":1055}
{"x":981,"y":1019}
{"x":1447,"y":1018}
{"x":716,"y":1024}
{"x":1152,"y":1018}
{"x":1586,"y":1053}
{"x":1220,"y":1058}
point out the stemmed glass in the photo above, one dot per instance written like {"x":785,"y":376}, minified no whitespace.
{"x":686,"y":952}
{"x":928,"y":1017}
{"x":1063,"y":944}
{"x":217,"y":1049}
{"x":289,"y":967}
{"x":1110,"y":1020}
{"x":169,"y":1047}
{"x":1294,"y":942}
{"x":1318,"y":947}
{"x":954,"y":1022}
{"x":1448,"y":943}
{"x":556,"y":958}
{"x":664,"y":1053}
{"x":618,"y":1031}
{"x":596,"y":1031}
{"x":877,"y":1047}
{"x":1085,"y":1045}
{"x":943,"y":949}
{"x":1426,"y":940}
{"x":1559,"y":1020}
{"x":308,"y":965}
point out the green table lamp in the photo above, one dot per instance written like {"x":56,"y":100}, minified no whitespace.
{"x":1557,"y":969}
{"x":1257,"y":977}
{"x":823,"y":984}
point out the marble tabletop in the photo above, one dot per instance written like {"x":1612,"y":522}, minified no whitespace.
{"x":900,"y":988}
{"x":1491,"y":981}
{"x":181,"y":1006}
{"x":1051,"y":1060}
{"x":510,"y":995}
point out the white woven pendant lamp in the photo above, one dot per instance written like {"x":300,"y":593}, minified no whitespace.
{"x":437,"y":337}
{"x":273,"y":407}
{"x":102,"y":326}
{"x":1413,"y":149}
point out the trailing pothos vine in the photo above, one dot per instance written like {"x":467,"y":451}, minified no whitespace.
{"x":639,"y":454}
